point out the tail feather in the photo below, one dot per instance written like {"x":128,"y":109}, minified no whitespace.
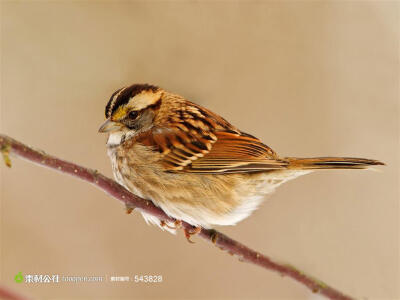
{"x":331,"y":163}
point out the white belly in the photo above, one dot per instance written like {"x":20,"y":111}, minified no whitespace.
{"x":196,"y":200}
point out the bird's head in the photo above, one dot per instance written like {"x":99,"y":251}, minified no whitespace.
{"x":131,"y":110}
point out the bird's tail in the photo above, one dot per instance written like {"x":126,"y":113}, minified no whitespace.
{"x":331,"y":163}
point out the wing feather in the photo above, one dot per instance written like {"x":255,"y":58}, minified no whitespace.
{"x":193,"y":139}
{"x":221,"y":152}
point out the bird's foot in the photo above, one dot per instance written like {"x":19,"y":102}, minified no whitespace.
{"x":190,"y":232}
{"x":177,"y":224}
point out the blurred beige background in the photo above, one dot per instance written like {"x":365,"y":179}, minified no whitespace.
{"x":308,"y":78}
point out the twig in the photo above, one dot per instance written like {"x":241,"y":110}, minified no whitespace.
{"x":109,"y":186}
{"x":8,"y":294}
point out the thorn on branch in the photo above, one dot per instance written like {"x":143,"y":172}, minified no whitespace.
{"x":214,"y":236}
{"x":5,"y":150}
{"x":129,"y":208}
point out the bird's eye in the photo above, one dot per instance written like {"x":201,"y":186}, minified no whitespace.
{"x":133,"y":114}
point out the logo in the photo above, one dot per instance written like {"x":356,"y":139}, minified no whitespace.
{"x":19,"y":277}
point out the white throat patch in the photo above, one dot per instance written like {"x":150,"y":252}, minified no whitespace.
{"x":118,"y":137}
{"x":115,"y":138}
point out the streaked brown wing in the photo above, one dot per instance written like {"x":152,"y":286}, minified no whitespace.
{"x":211,"y":153}
{"x":194,"y":139}
{"x":179,"y":148}
{"x":236,"y":153}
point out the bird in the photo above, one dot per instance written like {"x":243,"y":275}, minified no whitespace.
{"x":192,"y":163}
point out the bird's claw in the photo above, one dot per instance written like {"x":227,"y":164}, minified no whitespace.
{"x":189,"y":233}
{"x":177,"y":224}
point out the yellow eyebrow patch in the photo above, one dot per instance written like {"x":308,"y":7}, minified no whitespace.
{"x":120,"y":113}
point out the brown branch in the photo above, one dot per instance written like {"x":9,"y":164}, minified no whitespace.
{"x":109,"y":186}
{"x":8,"y":294}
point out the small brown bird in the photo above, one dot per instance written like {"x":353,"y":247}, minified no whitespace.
{"x":194,"y":164}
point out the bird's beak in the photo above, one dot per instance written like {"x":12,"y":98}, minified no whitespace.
{"x":109,"y":125}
